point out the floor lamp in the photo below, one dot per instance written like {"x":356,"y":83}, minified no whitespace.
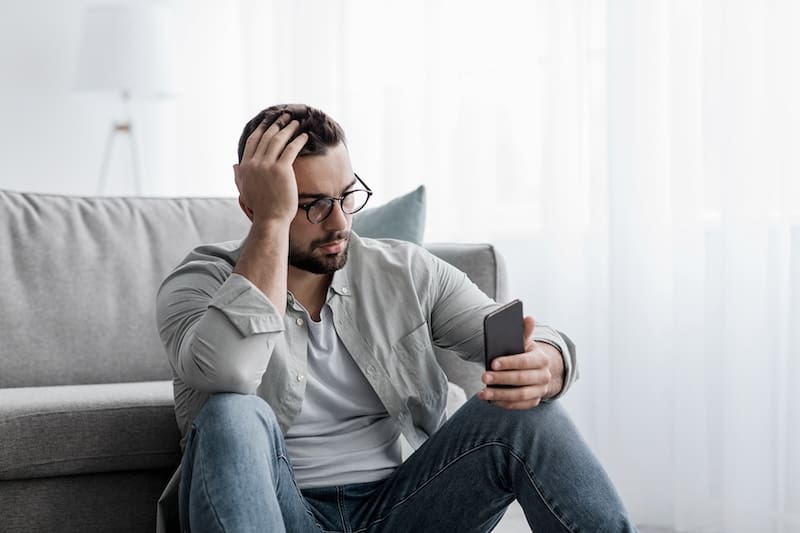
{"x":126,"y":49}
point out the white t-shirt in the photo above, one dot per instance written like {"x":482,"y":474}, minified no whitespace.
{"x":343,"y":433}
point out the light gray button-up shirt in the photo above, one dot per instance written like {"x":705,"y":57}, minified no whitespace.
{"x":391,"y":303}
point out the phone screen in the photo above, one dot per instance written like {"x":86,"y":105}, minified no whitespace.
{"x":503,"y":332}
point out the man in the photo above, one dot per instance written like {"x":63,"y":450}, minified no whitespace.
{"x":304,"y":352}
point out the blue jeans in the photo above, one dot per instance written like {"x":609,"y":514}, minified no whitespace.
{"x":236,"y":477}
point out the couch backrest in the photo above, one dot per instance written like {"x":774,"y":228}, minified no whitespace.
{"x":78,"y":279}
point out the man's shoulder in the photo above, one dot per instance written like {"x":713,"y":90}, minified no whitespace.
{"x":203,"y":269}
{"x":388,"y":250}
{"x":217,"y":256}
{"x":390,"y":259}
{"x":226,"y":251}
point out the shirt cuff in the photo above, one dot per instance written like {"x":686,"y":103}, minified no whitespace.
{"x":246,"y":307}
{"x":553,"y":338}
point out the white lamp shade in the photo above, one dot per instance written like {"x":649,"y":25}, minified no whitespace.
{"x":126,"y":48}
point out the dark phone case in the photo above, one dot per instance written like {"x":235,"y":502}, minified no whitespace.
{"x":503,"y":331}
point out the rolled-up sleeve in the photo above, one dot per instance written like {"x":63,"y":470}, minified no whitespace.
{"x":458,"y":309}
{"x":218,"y":329}
{"x":542,"y":333}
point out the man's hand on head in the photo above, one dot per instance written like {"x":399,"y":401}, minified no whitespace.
{"x":535,"y":375}
{"x":265,"y":177}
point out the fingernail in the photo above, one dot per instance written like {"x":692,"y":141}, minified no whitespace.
{"x":496,"y":365}
{"x":489,"y":378}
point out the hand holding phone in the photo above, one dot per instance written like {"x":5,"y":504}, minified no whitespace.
{"x":503,"y":333}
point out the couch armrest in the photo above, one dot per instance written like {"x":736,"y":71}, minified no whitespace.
{"x":77,"y":429}
{"x":482,"y":263}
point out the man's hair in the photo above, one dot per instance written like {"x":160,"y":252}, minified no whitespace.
{"x":323,"y":132}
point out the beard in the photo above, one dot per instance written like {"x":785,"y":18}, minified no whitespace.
{"x":314,"y":261}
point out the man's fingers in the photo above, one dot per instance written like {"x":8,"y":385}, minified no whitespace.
{"x":517,"y":378}
{"x":293,"y":148}
{"x":278,"y":142}
{"x":267,"y":133}
{"x":528,"y":360}
{"x":515,"y":398}
{"x":529,"y":325}
{"x":254,"y":139}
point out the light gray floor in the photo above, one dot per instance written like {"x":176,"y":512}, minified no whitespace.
{"x":513,"y":521}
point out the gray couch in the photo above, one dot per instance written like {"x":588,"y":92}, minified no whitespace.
{"x":88,"y":437}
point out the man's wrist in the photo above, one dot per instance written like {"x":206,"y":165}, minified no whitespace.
{"x":270,"y":226}
{"x":556,"y":364}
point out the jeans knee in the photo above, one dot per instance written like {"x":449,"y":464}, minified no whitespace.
{"x":232,"y":415}
{"x":232,"y":404}
{"x":547,"y":420}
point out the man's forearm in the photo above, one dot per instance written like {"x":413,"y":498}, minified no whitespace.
{"x":264,"y":260}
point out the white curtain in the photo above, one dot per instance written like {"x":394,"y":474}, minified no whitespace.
{"x":697,"y":304}
{"x":634,"y":161}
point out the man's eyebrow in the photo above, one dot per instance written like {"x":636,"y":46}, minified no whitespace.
{"x":317,"y":196}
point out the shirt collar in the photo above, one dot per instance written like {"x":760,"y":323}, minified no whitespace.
{"x":340,"y":284}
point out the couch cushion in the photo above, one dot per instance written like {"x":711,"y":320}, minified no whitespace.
{"x":56,"y":431}
{"x":402,"y":218}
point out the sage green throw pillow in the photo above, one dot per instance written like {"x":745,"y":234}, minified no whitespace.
{"x":402,"y":218}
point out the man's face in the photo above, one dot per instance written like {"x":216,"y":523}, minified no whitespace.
{"x":321,"y":248}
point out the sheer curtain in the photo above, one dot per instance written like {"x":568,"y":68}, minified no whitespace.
{"x":703,"y":275}
{"x":634,"y":161}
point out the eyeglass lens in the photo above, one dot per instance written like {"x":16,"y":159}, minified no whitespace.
{"x":351,"y":202}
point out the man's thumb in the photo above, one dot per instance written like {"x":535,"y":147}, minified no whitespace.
{"x":529,"y":323}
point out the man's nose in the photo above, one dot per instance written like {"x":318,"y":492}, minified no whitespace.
{"x":337,"y":220}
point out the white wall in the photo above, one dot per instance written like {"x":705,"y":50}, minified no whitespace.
{"x":52,"y":138}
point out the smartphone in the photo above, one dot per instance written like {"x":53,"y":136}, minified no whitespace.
{"x":503,"y":333}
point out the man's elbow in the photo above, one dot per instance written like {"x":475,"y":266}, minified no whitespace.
{"x":218,"y":376}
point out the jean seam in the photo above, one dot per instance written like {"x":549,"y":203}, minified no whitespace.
{"x":340,"y":505}
{"x":288,"y":463}
{"x":424,"y":484}
{"x":208,"y":497}
{"x":537,"y":487}
{"x":460,"y":456}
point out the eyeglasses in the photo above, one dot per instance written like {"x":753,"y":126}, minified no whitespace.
{"x":350,"y":202}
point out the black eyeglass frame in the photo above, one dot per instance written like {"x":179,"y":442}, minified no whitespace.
{"x":331,"y":199}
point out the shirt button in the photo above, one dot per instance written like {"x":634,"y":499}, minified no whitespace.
{"x":345,"y":290}
{"x":299,"y":321}
{"x":299,"y":377}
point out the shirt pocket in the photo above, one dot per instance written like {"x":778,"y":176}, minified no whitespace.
{"x":416,"y":374}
